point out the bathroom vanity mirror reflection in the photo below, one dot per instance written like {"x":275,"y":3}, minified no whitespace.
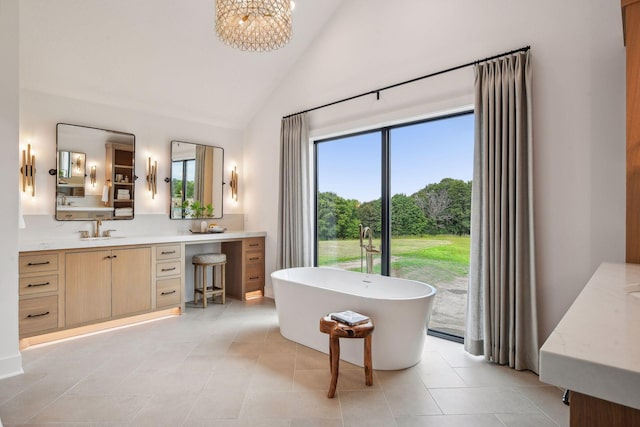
{"x":196,"y":180}
{"x":71,"y":173}
{"x":95,"y":173}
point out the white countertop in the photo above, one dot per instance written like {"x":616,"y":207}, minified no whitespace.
{"x":83,"y":208}
{"x":595,"y":349}
{"x":76,"y":242}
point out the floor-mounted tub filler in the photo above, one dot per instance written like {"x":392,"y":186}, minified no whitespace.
{"x":400,"y":310}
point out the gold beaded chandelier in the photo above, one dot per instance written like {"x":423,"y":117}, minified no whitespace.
{"x":256,"y":25}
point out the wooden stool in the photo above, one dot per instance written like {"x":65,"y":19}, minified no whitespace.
{"x":201,"y":262}
{"x":337,"y":330}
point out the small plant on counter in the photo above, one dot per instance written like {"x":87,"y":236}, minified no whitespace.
{"x":195,"y":209}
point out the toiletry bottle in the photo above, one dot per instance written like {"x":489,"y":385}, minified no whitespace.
{"x":203,"y":227}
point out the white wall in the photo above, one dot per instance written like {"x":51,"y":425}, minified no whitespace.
{"x":40,"y":112}
{"x":10,"y":359}
{"x":579,"y":110}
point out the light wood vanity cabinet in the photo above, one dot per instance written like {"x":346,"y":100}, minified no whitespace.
{"x":169,"y":273}
{"x":254,"y":264}
{"x":93,"y":288}
{"x":39,"y":286}
{"x":245,"y":267}
{"x":131,"y":281}
{"x":107,"y":283}
{"x":88,"y":287}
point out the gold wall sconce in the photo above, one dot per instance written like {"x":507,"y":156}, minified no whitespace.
{"x":152,"y":172}
{"x":234,"y":184}
{"x":28,"y":171}
{"x":92,"y":175}
{"x":77,"y":162}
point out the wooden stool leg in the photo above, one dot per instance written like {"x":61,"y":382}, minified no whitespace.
{"x":334,"y":350}
{"x":368,"y":369}
{"x":195,"y":284}
{"x":204,"y":286}
{"x":224,"y":267}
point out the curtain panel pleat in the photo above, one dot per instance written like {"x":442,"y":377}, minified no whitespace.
{"x":294,"y":213}
{"x":501,"y":311}
{"x":198,"y":190}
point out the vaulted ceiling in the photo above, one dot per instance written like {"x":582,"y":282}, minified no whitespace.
{"x":160,"y":56}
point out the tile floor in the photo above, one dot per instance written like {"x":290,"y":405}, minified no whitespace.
{"x":229,"y":366}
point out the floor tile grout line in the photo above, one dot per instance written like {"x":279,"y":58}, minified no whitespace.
{"x":542,"y":411}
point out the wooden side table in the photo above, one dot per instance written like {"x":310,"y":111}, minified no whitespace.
{"x":337,"y":330}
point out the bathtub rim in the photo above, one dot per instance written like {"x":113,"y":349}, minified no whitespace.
{"x":431,"y":294}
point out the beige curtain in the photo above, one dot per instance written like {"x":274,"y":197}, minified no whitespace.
{"x":294,"y":213}
{"x":502,"y":319}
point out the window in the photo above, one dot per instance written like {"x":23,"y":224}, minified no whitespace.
{"x":184,"y":173}
{"x":411,"y":185}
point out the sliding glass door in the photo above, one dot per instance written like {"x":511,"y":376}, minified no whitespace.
{"x":348,"y":191}
{"x":430,"y":187}
{"x":409,"y":188}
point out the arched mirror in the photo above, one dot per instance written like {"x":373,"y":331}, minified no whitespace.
{"x":196,"y":180}
{"x":95,"y":176}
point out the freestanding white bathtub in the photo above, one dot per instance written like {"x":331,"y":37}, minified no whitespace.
{"x":400,"y":310}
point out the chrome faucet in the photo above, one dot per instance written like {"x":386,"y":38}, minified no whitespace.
{"x":97,"y":230}
{"x":366,"y":233}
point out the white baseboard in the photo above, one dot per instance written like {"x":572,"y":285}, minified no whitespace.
{"x":10,"y":367}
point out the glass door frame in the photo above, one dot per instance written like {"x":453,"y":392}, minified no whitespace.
{"x":385,"y":184}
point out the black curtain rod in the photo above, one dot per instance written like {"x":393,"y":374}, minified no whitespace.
{"x":377,"y":91}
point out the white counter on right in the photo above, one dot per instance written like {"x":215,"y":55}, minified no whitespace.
{"x":595,"y":349}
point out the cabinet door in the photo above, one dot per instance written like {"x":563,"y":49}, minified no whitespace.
{"x":88,"y":287}
{"x":131,"y":281}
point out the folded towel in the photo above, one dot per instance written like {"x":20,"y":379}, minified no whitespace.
{"x":123,"y":212}
{"x":123,"y":197}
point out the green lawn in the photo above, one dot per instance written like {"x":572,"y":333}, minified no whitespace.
{"x":441,"y":261}
{"x":431,"y":259}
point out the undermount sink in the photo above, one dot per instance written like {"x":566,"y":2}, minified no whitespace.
{"x":102,"y":238}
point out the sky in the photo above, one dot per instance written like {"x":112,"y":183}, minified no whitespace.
{"x":421,"y":154}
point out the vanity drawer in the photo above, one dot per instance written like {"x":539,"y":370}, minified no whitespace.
{"x":254,"y":278}
{"x":38,"y":314}
{"x":100,"y":215}
{"x":168,"y":252}
{"x":168,"y":292}
{"x":254,"y":257}
{"x":38,"y":284}
{"x":37,"y":263}
{"x":255,"y":244}
{"x":170,"y":268}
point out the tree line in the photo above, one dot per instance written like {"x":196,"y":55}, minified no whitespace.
{"x":439,"y":208}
